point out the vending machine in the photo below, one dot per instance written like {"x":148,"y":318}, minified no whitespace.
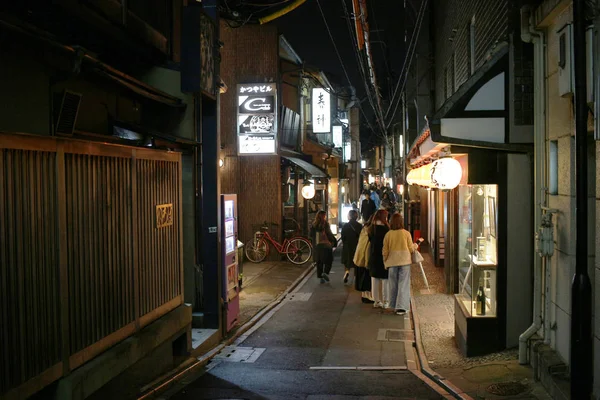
{"x":229,"y":235}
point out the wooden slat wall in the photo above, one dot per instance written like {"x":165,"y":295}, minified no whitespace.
{"x":158,"y":249}
{"x":100,"y":263}
{"x":29,"y":302}
{"x":93,"y":206}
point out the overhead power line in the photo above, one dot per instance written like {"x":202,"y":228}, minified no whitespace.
{"x":340,"y":59}
{"x":366,"y":78}
{"x":395,"y":101}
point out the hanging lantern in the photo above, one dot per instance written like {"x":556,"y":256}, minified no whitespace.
{"x":308,"y":190}
{"x":446,"y":173}
{"x":443,"y":174}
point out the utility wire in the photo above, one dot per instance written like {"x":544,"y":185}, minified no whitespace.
{"x":361,"y":67}
{"x":340,"y":58}
{"x":359,"y":61}
{"x":404,"y":71}
{"x":381,"y":44}
{"x":371,"y":67}
{"x":418,"y":29}
{"x":410,"y":50}
{"x":407,"y":62}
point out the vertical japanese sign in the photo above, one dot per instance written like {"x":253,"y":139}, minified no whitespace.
{"x":321,"y":111}
{"x":257,"y":118}
{"x":338,"y":136}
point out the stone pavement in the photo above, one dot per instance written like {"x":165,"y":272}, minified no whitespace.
{"x":264,"y":282}
{"x":321,"y":342}
{"x":478,"y":377}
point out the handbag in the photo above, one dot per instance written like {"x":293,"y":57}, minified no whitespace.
{"x":416,"y":257}
{"x":363,"y":250}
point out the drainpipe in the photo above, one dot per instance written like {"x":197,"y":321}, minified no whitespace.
{"x":530,"y":35}
{"x":581,"y":291}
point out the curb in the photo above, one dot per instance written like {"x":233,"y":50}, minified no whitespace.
{"x":454,"y":390}
{"x":193,"y":366}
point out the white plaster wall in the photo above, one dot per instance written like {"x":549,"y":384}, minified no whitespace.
{"x":561,"y":127}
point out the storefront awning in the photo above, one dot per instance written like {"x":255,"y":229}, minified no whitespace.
{"x":477,"y":115}
{"x":311,"y":169}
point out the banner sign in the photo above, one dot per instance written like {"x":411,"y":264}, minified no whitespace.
{"x":321,"y":111}
{"x":338,"y":136}
{"x":257,"y":118}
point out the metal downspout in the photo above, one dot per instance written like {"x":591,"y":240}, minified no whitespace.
{"x":530,"y":35}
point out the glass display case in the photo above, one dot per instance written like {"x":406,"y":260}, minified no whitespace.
{"x":478,"y":249}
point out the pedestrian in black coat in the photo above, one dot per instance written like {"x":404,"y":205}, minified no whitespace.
{"x":379,"y":274}
{"x":367,"y":207}
{"x":350,"y":234}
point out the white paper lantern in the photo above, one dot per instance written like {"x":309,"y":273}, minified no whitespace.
{"x":443,"y":174}
{"x":308,"y":191}
{"x":446,"y":173}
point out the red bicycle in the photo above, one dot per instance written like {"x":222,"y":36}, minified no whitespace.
{"x":298,"y":249}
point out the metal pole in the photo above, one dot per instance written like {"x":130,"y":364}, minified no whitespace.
{"x":581,"y":318}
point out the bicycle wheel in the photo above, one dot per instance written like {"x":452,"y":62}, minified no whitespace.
{"x":256,"y":250}
{"x":298,"y":250}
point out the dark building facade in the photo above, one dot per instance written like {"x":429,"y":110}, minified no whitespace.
{"x":99,"y":221}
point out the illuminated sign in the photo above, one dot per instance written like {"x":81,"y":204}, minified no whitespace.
{"x":256,"y":104}
{"x":347,"y":151}
{"x":321,"y":111}
{"x":257,"y":118}
{"x":338,"y":138}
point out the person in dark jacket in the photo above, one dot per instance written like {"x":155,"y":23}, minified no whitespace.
{"x":350,"y":234}
{"x":379,"y":274}
{"x":367,"y":207}
{"x":324,"y":241}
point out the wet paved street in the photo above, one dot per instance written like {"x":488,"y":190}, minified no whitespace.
{"x":321,"y":343}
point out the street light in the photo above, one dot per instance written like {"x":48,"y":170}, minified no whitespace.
{"x":308,"y":190}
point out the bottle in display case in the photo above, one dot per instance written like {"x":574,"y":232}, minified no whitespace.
{"x":478,"y":249}
{"x":481,"y":303}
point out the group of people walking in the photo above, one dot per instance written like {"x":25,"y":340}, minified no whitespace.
{"x":375,"y":198}
{"x":380,"y":252}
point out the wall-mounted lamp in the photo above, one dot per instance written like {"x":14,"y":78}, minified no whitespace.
{"x":308,"y":190}
{"x":221,"y":162}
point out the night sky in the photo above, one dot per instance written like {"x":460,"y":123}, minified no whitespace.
{"x":305,"y":30}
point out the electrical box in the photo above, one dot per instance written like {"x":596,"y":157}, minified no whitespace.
{"x":566,"y":75}
{"x":565,"y":61}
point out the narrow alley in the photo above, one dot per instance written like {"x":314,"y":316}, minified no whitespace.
{"x":321,"y":343}
{"x":300,"y":339}
{"x":176,"y":177}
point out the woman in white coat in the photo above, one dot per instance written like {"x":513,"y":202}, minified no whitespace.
{"x":397,"y":257}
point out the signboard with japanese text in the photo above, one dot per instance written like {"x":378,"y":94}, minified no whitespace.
{"x":338,"y":136}
{"x":321,"y":111}
{"x":257,"y":118}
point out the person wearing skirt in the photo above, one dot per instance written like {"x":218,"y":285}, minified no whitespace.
{"x":397,"y":255}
